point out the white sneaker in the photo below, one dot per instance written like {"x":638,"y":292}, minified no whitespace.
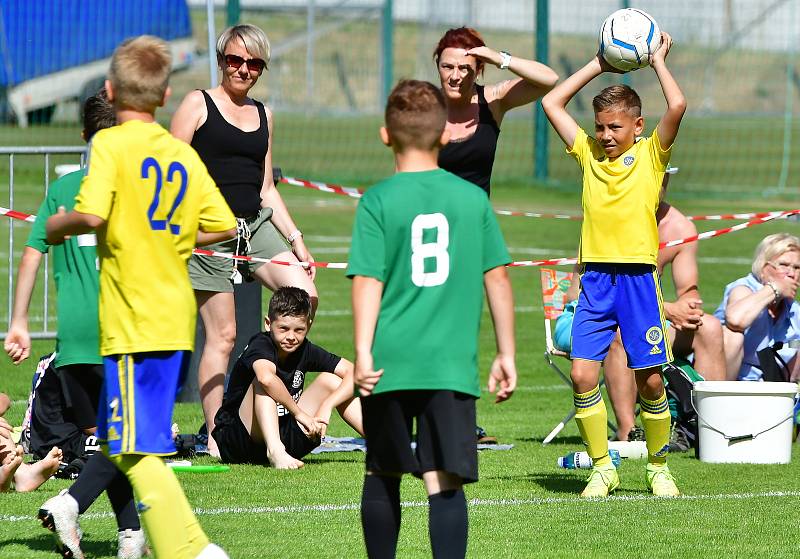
{"x":59,"y":514}
{"x":132,"y":544}
{"x":212,"y":551}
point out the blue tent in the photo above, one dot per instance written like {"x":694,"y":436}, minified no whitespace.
{"x":41,"y":37}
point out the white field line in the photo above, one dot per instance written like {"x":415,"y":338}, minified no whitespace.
{"x":474,"y":503}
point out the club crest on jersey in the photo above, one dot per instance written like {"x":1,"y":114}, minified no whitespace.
{"x":297,"y":381}
{"x":654,"y":335}
{"x":628,"y":160}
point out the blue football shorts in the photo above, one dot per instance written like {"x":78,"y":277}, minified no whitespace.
{"x":624,"y":296}
{"x":137,"y":399}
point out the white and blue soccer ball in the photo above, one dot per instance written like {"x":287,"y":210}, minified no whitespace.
{"x":628,"y":37}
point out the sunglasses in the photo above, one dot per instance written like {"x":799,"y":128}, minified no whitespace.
{"x":253,"y":64}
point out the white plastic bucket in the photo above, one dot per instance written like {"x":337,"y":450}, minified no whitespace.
{"x":745,"y":422}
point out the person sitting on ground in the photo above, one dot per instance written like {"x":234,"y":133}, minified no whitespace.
{"x":267,"y":416}
{"x":25,"y":477}
{"x":758,"y":311}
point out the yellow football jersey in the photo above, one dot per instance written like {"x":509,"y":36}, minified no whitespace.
{"x":154,"y":193}
{"x":619,"y":199}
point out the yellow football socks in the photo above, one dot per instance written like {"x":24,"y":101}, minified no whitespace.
{"x":172,"y":528}
{"x":656,"y":423}
{"x":591,"y":418}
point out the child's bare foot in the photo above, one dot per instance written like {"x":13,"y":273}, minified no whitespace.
{"x":33,"y":475}
{"x":10,"y":465}
{"x":213,"y":449}
{"x":282,"y":461}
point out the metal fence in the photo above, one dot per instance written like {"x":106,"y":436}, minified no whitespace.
{"x":30,"y":170}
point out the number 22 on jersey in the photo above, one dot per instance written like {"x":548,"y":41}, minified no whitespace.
{"x":436,"y":250}
{"x":151,"y":165}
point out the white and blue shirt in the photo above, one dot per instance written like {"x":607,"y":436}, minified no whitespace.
{"x":764,"y":331}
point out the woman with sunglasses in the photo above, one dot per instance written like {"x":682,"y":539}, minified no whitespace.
{"x":233,"y":134}
{"x":758,"y":311}
{"x":474,"y":111}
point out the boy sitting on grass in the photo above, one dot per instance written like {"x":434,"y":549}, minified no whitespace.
{"x":620,"y":287}
{"x":266,"y":415}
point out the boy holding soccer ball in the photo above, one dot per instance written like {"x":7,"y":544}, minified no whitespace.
{"x":619,"y":245}
{"x":425,"y":246}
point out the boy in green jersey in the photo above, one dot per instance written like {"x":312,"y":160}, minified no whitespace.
{"x":425,"y":246}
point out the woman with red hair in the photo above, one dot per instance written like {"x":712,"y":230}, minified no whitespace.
{"x":474,"y":112}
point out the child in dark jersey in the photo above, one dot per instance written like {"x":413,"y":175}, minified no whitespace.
{"x":267,"y":416}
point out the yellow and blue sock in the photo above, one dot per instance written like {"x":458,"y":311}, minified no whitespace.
{"x":656,"y":422}
{"x":172,"y":528}
{"x":591,"y":418}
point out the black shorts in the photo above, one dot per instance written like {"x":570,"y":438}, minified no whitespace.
{"x":236,"y":446}
{"x":445,"y":433}
{"x":81,"y":385}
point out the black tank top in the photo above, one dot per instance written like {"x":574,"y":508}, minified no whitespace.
{"x":473,"y":157}
{"x":235,"y":159}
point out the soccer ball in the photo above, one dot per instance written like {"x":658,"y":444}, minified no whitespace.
{"x":627,"y":39}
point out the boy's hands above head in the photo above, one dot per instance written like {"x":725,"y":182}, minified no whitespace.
{"x":660,"y":54}
{"x":365,"y":376}
{"x":503,"y":377}
{"x":605,"y":67}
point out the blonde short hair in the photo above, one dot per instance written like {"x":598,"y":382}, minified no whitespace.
{"x":253,"y":38}
{"x":139,"y":73}
{"x":771,"y":248}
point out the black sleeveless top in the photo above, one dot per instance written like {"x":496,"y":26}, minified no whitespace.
{"x":473,"y":157}
{"x":234,"y":159}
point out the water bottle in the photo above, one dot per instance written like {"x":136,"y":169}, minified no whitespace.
{"x":575,"y":460}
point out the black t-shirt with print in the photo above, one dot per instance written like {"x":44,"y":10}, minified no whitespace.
{"x":292,"y":372}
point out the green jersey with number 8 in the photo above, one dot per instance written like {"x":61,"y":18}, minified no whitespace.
{"x":429,"y":237}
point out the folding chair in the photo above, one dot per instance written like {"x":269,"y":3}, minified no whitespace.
{"x":554,"y":290}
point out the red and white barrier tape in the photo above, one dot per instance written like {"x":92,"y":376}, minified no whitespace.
{"x":324,"y":187}
{"x":552,"y":262}
{"x":357,"y":193}
{"x":204,"y":252}
{"x":699,"y":237}
{"x":18,"y":215}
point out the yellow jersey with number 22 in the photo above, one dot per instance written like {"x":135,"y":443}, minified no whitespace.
{"x":153,"y":192}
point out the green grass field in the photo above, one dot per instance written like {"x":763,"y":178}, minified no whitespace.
{"x":523,"y":506}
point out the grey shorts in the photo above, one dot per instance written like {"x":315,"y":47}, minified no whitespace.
{"x":256,"y":236}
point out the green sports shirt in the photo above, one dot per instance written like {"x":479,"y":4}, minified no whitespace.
{"x":75,"y":273}
{"x":428,"y":237}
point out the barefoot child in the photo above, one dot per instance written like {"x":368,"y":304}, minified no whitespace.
{"x":267,"y":416}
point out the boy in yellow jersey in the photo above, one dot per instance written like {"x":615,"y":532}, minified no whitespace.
{"x":619,"y":245}
{"x":150,"y":200}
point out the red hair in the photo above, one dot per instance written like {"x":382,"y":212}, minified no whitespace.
{"x":460,"y":38}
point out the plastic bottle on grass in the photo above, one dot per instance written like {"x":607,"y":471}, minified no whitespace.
{"x":575,"y":460}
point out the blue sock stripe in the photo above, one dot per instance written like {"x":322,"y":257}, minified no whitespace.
{"x":655,"y":407}
{"x":592,"y":399}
